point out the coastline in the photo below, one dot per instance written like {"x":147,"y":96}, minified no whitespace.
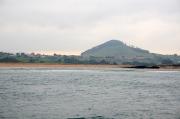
{"x":78,"y":66}
{"x":55,"y":65}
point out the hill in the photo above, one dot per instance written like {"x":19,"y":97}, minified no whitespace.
{"x":119,"y":52}
{"x":115,"y":48}
{"x":111,"y":52}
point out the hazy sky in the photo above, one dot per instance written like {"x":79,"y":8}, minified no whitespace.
{"x":72,"y":26}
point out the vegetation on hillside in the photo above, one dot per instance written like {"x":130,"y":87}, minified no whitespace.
{"x":38,"y":58}
{"x":64,"y":59}
{"x":111,"y":52}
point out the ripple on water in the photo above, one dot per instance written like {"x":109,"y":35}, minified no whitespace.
{"x":80,"y":94}
{"x":95,"y":117}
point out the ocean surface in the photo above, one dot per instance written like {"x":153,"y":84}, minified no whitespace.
{"x":109,"y":93}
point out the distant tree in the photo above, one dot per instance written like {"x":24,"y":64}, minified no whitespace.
{"x":167,"y":61}
{"x":9,"y":59}
{"x":18,"y":54}
{"x":175,"y":55}
{"x":33,"y":54}
{"x":31,"y":60}
{"x":114,"y":63}
{"x":55,"y":54}
{"x":103,"y":62}
{"x":92,"y":61}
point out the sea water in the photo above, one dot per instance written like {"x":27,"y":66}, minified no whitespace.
{"x":110,"y":93}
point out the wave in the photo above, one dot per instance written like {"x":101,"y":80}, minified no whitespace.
{"x":96,"y":117}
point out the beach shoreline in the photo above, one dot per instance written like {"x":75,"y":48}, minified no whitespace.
{"x":77,"y":66}
{"x":56,"y":65}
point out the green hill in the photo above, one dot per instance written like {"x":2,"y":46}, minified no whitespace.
{"x":115,"y":48}
{"x":119,"y":52}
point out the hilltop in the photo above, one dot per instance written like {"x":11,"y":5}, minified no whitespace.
{"x":115,"y":48}
{"x":119,"y":52}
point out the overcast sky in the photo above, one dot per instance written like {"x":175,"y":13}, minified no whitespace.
{"x":72,"y":26}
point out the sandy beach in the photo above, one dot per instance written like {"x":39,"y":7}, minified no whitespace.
{"x":77,"y":66}
{"x":54,"y":65}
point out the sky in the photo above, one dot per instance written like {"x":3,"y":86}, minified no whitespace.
{"x":73,"y":26}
